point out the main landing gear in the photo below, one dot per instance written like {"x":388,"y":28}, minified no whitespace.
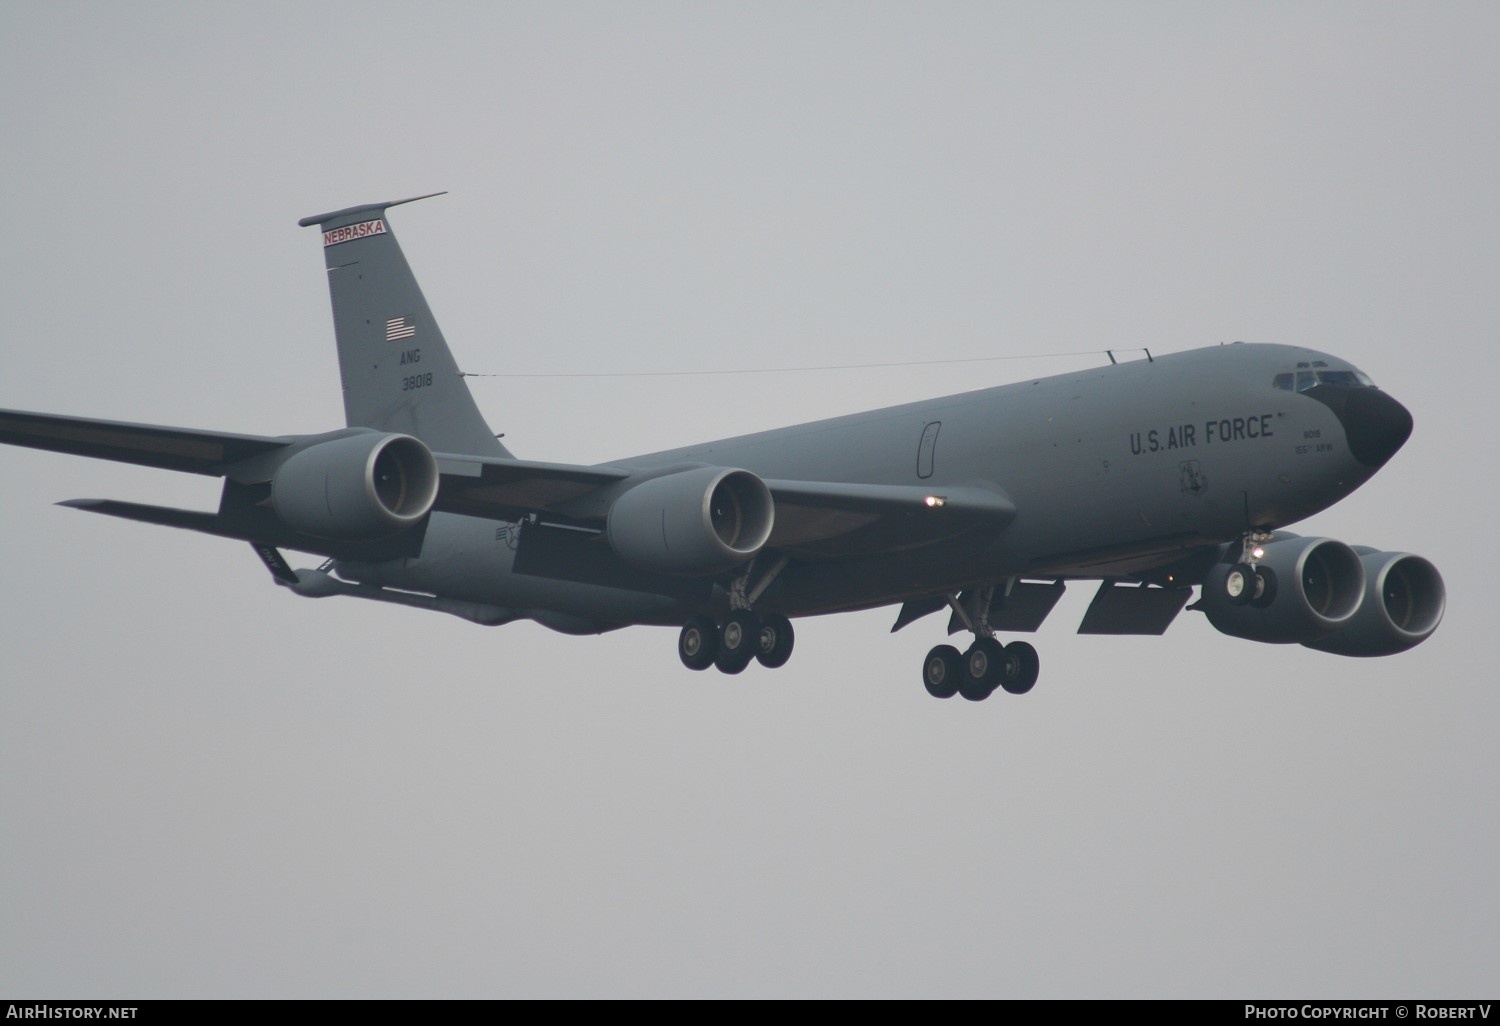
{"x":987,"y":665}
{"x":743,"y":637}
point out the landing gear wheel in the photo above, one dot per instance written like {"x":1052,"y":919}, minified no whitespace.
{"x":1239,"y":584}
{"x":942,"y":671}
{"x":775,"y":641}
{"x":698,"y":643}
{"x":984,"y":663}
{"x":1265,"y":587}
{"x":1021,"y":666}
{"x":738,"y":640}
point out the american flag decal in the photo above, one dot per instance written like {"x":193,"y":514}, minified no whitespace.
{"x":398,"y":328}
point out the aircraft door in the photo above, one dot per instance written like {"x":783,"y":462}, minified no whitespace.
{"x":927,"y":449}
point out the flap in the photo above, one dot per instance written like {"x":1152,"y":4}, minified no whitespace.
{"x":506,"y":489}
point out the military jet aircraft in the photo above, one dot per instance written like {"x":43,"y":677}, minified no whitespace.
{"x":1152,"y":477}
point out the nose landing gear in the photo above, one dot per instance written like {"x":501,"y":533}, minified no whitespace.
{"x":1247,"y":582}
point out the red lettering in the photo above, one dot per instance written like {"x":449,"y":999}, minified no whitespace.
{"x":353,"y":231}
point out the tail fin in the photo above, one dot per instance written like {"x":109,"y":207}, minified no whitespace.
{"x":397,"y":371}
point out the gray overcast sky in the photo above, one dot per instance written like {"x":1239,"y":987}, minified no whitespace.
{"x":209,"y":787}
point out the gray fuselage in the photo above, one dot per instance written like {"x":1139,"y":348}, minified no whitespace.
{"x":1112,"y":471}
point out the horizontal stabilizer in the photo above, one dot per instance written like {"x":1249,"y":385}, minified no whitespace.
{"x":163,"y":516}
{"x":261,"y":531}
{"x":363,"y":208}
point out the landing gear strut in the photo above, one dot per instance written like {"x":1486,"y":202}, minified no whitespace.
{"x":987,"y":665}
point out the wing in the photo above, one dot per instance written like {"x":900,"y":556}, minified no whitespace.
{"x":149,"y":445}
{"x":813,"y":519}
{"x":826,"y":519}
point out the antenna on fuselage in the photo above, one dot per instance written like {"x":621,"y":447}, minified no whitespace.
{"x":1111,"y":354}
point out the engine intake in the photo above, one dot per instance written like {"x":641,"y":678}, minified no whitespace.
{"x":1403,"y":604}
{"x":360,"y":487}
{"x":693,"y":522}
{"x":1319,"y":584}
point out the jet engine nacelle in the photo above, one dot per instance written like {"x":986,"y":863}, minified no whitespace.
{"x":1315,"y":588}
{"x":693,"y":522}
{"x":356,"y":488}
{"x":1403,"y":604}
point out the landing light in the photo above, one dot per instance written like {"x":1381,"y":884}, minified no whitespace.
{"x":936,"y":500}
{"x":1258,"y":552}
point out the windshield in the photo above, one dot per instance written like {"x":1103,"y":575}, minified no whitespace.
{"x":1310,"y":375}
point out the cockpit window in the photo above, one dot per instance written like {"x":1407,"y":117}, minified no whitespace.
{"x":1306,"y":377}
{"x":1349,"y":377}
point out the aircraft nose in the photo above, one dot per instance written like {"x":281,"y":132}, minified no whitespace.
{"x":1375,"y":424}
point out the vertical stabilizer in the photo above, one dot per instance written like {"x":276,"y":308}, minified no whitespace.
{"x":397,"y":371}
